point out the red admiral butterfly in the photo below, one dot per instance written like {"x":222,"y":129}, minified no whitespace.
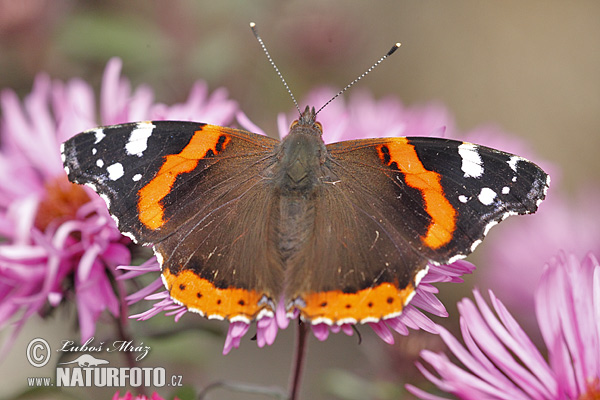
{"x":342,"y":232}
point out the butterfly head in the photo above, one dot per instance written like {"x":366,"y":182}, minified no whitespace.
{"x":307,"y":123}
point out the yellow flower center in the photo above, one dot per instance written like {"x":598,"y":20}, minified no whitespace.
{"x":593,"y":390}
{"x":60,"y":203}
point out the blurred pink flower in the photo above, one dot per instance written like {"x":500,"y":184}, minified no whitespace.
{"x":129,"y":396}
{"x":499,"y":360}
{"x":521,"y":245}
{"x":362,"y":117}
{"x":58,"y":241}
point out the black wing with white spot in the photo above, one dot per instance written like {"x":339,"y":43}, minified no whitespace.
{"x":484,"y":185}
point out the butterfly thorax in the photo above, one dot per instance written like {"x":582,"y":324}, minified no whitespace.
{"x":301,"y":156}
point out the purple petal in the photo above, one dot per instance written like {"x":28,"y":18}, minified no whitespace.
{"x":266,"y":331}
{"x":281,"y":314}
{"x":321,"y":331}
{"x":382,"y":331}
{"x":247,"y":124}
{"x":347,"y":329}
{"x":234,"y":335}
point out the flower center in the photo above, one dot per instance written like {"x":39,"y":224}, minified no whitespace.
{"x":593,"y":390}
{"x":60,"y":203}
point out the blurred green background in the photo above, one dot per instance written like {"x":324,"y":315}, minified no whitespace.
{"x":530,"y":67}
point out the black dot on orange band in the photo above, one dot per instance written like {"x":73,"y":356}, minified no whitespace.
{"x":181,"y":286}
{"x":348,"y":306}
{"x":219,"y":301}
{"x":199,"y":295}
{"x":324,"y":304}
{"x":219,"y":145}
{"x":390,"y":300}
{"x":370,"y":304}
{"x":386,"y":154}
{"x":241,"y":302}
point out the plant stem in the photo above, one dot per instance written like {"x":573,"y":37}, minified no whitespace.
{"x":298,"y":360}
{"x":121,"y":323}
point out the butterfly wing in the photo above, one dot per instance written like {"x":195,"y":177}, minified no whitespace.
{"x":396,"y":205}
{"x":172,"y":184}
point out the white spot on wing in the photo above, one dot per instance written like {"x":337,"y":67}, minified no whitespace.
{"x":194,"y":310}
{"x":489,"y":226}
{"x":265,"y":312}
{"x":322,"y":320}
{"x":240,"y":318}
{"x":505,"y":190}
{"x":486,"y":196}
{"x":127,"y":234}
{"x":475,"y":244}
{"x":100,"y":163}
{"x":94,"y":151}
{"x":138,"y":139}
{"x":463,"y":198}
{"x":107,"y":201}
{"x":115,"y":171}
{"x":162,"y":277}
{"x":99,"y":133}
{"x":159,"y":257}
{"x":420,"y":275}
{"x":512,"y":162}
{"x":453,"y":259}
{"x":136,"y":177}
{"x":366,"y":320}
{"x":471,"y":161}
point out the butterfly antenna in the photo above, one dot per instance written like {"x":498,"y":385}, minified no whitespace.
{"x":348,"y":86}
{"x":262,"y":44}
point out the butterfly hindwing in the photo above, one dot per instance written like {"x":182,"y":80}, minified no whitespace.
{"x":360,"y":264}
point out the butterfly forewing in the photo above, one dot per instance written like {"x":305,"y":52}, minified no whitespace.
{"x":196,"y":192}
{"x":454,"y":190}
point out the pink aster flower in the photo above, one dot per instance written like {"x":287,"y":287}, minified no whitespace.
{"x":362,"y":117}
{"x":499,"y":361}
{"x":57,"y":240}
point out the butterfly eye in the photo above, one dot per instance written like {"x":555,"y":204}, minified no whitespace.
{"x":319,"y":126}
{"x":294,"y":124}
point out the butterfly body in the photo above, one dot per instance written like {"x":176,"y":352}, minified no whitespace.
{"x":342,"y":232}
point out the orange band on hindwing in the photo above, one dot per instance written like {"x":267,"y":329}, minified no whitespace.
{"x":201,"y":296}
{"x":367,"y":305}
{"x":207,"y":141}
{"x":443,"y":215}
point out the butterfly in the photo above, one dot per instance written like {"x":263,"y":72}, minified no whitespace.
{"x":341,"y":232}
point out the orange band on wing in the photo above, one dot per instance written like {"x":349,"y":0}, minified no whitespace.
{"x":368,"y":304}
{"x":207,"y":139}
{"x":440,"y":210}
{"x":200,"y":295}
